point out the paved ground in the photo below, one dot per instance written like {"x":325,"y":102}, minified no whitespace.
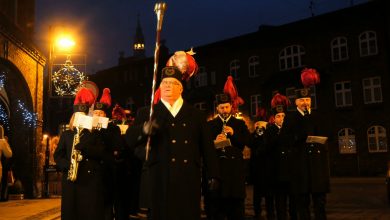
{"x":350,"y":199}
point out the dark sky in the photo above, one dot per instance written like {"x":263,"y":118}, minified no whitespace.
{"x":105,"y":27}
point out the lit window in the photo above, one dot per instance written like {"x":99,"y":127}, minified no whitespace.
{"x":377,"y":140}
{"x":347,"y":142}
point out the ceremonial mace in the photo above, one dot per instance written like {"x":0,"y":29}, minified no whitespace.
{"x":159,"y":9}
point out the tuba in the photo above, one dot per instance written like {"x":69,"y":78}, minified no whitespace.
{"x":75,"y":157}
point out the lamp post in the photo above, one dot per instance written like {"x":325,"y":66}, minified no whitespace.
{"x":58,"y":41}
{"x":45,"y":167}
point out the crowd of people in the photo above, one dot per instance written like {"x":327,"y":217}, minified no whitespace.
{"x":166,"y":161}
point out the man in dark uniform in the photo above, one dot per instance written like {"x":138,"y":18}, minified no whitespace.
{"x":309,"y":161}
{"x":230,"y":135}
{"x":278,"y":158}
{"x":82,"y":197}
{"x":114,"y":167}
{"x":180,"y":142}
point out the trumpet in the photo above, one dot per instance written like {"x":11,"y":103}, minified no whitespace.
{"x":75,"y":157}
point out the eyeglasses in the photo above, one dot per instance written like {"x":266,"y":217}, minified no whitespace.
{"x":165,"y":83}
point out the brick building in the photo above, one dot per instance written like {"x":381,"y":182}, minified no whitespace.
{"x":21,"y":87}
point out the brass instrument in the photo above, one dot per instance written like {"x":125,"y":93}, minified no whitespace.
{"x":75,"y":157}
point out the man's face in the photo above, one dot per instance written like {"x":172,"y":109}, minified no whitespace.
{"x":224,"y":109}
{"x":279,"y":118}
{"x":99,"y":113}
{"x":171,"y":89}
{"x":303,"y":103}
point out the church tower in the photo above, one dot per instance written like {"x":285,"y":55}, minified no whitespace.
{"x":139,"y":41}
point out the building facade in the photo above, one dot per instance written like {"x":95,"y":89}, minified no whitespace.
{"x":349,"y":48}
{"x":21,"y":87}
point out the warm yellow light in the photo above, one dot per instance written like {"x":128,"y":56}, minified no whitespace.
{"x":65,"y":43}
{"x":45,"y":136}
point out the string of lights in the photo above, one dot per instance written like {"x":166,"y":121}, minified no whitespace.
{"x":29,"y":118}
{"x":4,"y":118}
{"x":2,"y":81}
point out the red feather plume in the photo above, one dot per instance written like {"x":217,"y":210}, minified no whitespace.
{"x":157,"y":96}
{"x":84,"y":96}
{"x":310,"y":77}
{"x":231,"y":90}
{"x":106,"y":97}
{"x":185,"y":62}
{"x":279,"y":99}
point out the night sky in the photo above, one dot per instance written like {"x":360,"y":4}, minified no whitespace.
{"x":105,"y":27}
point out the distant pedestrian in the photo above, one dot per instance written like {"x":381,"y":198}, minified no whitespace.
{"x":5,"y":172}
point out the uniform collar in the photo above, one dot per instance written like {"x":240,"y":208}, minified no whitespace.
{"x":175,"y":108}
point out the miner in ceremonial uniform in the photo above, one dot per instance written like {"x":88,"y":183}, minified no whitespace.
{"x":278,"y":158}
{"x":82,"y":179}
{"x":114,"y":169}
{"x":180,"y":142}
{"x":309,"y":171}
{"x":230,"y":136}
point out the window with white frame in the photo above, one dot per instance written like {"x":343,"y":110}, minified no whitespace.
{"x":253,"y":66}
{"x":291,"y":95}
{"x":234,"y":69}
{"x":368,"y":43}
{"x":343,"y":94}
{"x":200,"y":105}
{"x":255,"y":103}
{"x":291,"y":57}
{"x":339,"y":49}
{"x":201,"y":77}
{"x":347,"y":141}
{"x":377,"y":140}
{"x":372,"y":90}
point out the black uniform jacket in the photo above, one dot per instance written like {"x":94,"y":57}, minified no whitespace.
{"x":232,"y":166}
{"x":178,"y":147}
{"x":309,"y":163}
{"x":82,"y":199}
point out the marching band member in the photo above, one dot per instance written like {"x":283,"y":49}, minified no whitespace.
{"x":225,"y":128}
{"x":82,"y":181}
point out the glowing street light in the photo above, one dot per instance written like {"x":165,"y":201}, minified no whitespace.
{"x":65,"y":43}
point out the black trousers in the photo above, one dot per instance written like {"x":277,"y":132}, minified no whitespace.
{"x":302,"y":202}
{"x":229,"y":208}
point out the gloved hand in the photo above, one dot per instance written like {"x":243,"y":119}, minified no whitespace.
{"x":150,"y":127}
{"x":213,"y":186}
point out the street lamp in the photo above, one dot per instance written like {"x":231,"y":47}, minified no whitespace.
{"x":58,"y":42}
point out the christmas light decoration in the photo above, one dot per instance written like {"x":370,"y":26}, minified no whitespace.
{"x":67,"y":79}
{"x":29,"y":118}
{"x":4,"y":118}
{"x":2,"y":81}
